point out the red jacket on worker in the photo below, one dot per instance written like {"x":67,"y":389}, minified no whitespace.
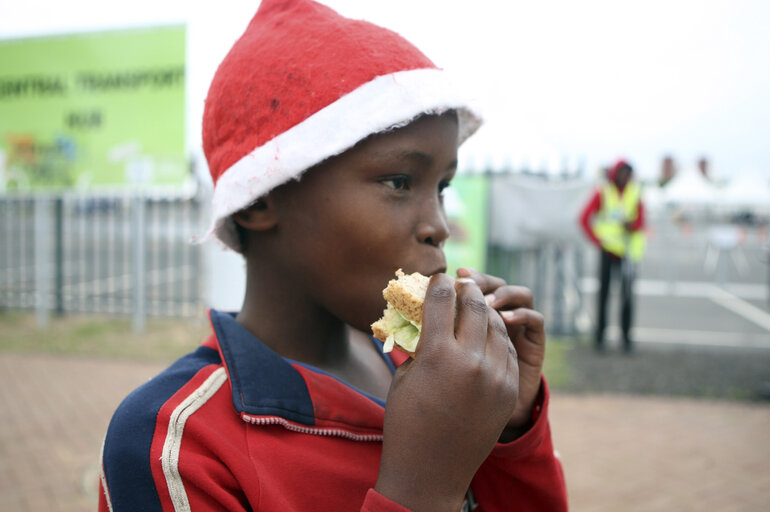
{"x":234,"y":426}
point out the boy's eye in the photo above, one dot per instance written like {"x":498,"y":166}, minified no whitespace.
{"x":397,"y":182}
{"x":443,"y":186}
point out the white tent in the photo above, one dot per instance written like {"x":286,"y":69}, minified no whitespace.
{"x":689,"y":188}
{"x":747,"y":191}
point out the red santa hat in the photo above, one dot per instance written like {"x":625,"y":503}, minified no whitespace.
{"x":303,"y":84}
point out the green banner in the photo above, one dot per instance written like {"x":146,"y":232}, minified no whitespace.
{"x":98,"y":109}
{"x":466,"y":203}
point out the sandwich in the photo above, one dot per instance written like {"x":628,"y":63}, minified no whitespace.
{"x":401,"y":321}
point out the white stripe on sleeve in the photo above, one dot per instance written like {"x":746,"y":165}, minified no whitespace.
{"x":171,"y":447}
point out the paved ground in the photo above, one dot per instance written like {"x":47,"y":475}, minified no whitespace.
{"x":649,"y":454}
{"x":668,"y":369}
{"x":619,"y":452}
{"x":54,"y":414}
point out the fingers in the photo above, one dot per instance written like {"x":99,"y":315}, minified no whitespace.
{"x":499,"y":294}
{"x":500,"y":346}
{"x":438,"y":310}
{"x":482,"y":329}
{"x":511,"y":297}
{"x":457,"y":309}
{"x":487,"y":283}
{"x":472,"y":315}
{"x":528,"y":318}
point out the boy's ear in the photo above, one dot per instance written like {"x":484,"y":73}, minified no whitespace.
{"x":260,"y":216}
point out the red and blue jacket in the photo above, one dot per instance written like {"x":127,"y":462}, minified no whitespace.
{"x":234,"y":426}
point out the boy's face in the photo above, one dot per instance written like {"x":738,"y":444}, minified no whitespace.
{"x":350,"y":222}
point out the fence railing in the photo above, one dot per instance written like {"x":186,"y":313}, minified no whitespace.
{"x":553,"y":272}
{"x":123,"y":254}
{"x":130,"y":254}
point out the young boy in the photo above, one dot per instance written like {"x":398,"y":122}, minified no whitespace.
{"x":330,"y":142}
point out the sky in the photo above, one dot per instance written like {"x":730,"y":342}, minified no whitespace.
{"x":561,"y":83}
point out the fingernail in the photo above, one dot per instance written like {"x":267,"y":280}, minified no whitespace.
{"x":466,"y":280}
{"x":507,"y":315}
{"x":490,"y":299}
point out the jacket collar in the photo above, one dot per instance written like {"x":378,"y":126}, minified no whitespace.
{"x":266,"y":384}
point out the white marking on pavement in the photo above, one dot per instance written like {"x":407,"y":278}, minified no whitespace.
{"x":739,"y":306}
{"x":684,"y":289}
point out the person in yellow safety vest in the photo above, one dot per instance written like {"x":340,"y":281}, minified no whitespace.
{"x":613,"y":219}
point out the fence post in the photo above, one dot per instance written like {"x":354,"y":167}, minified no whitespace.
{"x":558,"y":290}
{"x":138,"y":234}
{"x":58,"y":219}
{"x":541,"y":267}
{"x":42,"y":238}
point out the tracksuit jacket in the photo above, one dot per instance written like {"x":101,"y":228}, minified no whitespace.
{"x":234,"y":426}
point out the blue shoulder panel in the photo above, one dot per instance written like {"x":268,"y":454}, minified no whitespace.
{"x":129,"y":436}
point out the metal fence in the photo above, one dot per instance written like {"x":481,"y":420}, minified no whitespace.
{"x":121,"y":254}
{"x":131,"y":255}
{"x":554,"y":273}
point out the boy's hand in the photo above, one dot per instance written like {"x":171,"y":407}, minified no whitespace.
{"x":447,"y":407}
{"x":526,"y":328}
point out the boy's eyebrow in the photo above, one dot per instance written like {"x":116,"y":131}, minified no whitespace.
{"x":414,"y":155}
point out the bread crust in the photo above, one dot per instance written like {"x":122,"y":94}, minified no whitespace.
{"x":378,"y":329}
{"x":407,"y":294}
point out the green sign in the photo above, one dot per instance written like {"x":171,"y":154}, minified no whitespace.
{"x":466,"y":203}
{"x":99,"y":109}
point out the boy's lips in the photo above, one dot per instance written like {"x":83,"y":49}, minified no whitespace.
{"x":423,"y":271}
{"x":428,"y":266}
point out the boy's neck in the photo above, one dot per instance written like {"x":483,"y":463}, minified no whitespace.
{"x":292,"y":329}
{"x":301,"y":331}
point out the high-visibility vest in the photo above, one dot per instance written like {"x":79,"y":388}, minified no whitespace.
{"x":609,"y":225}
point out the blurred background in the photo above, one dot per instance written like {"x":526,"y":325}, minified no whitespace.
{"x":104,"y":189}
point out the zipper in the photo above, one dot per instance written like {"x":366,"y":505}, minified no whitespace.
{"x":469,"y":504}
{"x":316,"y":431}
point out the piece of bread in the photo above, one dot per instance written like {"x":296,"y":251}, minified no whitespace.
{"x":401,"y":321}
{"x":406,"y":293}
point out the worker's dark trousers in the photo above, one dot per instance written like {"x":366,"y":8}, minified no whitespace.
{"x":610,"y":266}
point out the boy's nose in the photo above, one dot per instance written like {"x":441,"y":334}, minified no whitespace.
{"x":433,"y":228}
